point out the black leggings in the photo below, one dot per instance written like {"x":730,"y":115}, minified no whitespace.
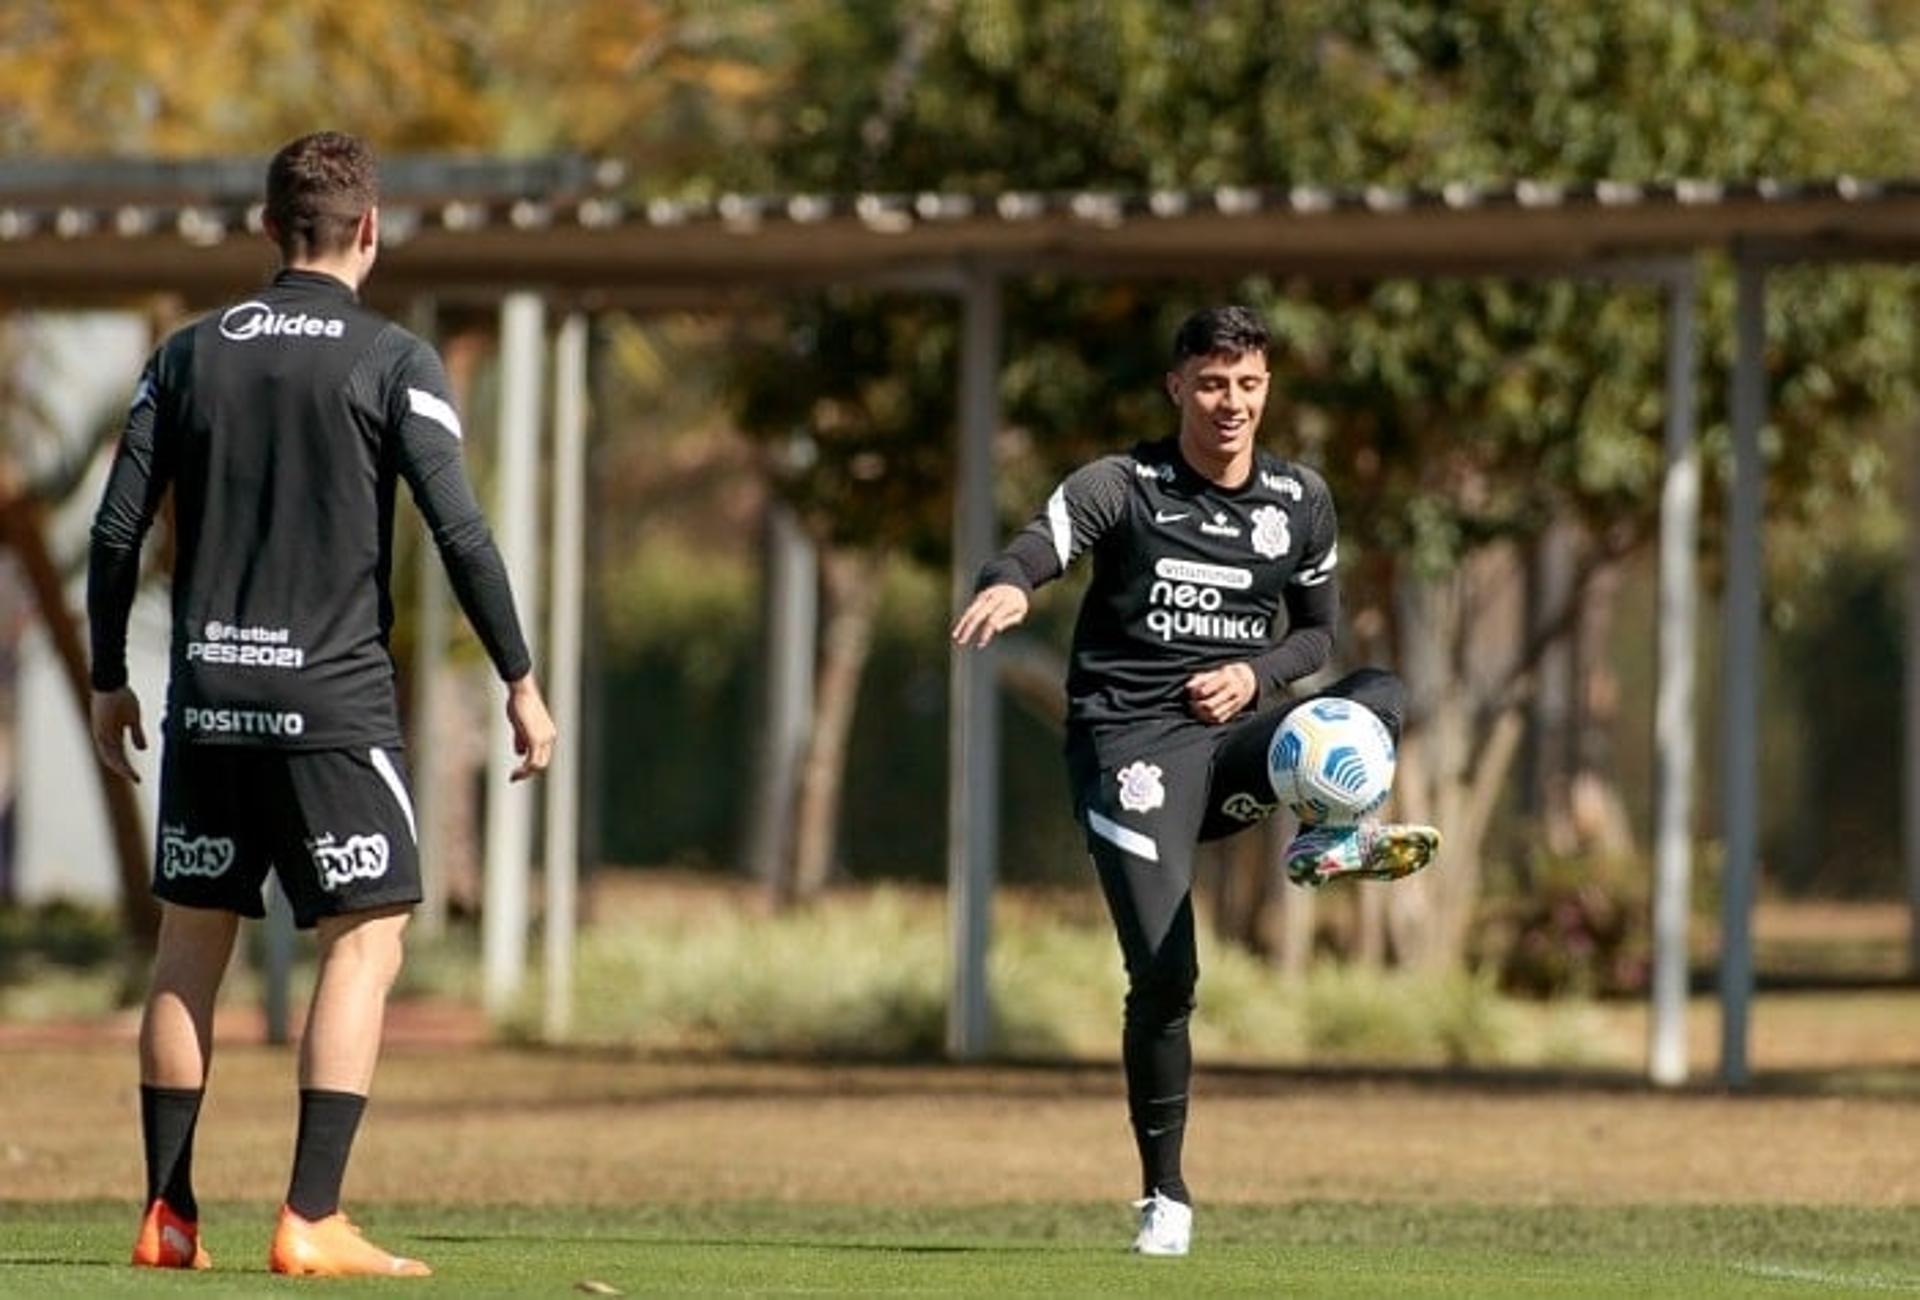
{"x":1144,"y":818}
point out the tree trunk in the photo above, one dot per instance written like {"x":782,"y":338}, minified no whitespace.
{"x":23,"y":523}
{"x":1598,"y":814}
{"x":850,"y":591}
{"x":1246,"y":878}
{"x":1453,"y":762}
{"x":1554,"y":712}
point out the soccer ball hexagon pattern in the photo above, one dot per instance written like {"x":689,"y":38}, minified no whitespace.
{"x":1331,"y":761}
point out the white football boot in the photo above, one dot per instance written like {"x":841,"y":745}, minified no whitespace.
{"x":1166,"y":1226}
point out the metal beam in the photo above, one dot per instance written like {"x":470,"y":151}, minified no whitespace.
{"x":973,"y":728}
{"x":1741,"y":667}
{"x":563,"y":671}
{"x":510,"y":806}
{"x":1673,"y":730}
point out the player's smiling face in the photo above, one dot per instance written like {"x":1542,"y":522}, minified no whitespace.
{"x":1221,"y":398}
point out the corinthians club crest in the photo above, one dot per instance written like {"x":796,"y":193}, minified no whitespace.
{"x":1140,"y":788}
{"x":1271,"y":536}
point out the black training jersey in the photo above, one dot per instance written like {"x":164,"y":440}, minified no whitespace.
{"x":1187,"y":575}
{"x":282,"y":425}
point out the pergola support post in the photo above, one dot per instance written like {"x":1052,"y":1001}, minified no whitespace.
{"x":433,"y":633}
{"x":793,"y":617}
{"x":565,"y":613}
{"x":1741,"y":671}
{"x":1910,"y":838}
{"x":973,"y":733}
{"x":509,"y":819}
{"x":1674,"y":736}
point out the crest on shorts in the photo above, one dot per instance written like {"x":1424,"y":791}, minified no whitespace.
{"x":358,"y":857}
{"x":1140,"y":788}
{"x":1271,"y":536}
{"x":198,"y":855}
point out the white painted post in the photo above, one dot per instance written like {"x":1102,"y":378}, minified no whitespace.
{"x":1741,"y":697}
{"x":563,"y":670}
{"x":433,"y":629}
{"x":510,"y":806}
{"x":973,"y":797}
{"x":1673,"y":696}
{"x":279,"y":963}
{"x":793,"y":615}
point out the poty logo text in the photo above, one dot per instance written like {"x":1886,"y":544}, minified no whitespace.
{"x":361,"y":857}
{"x":200,"y":855}
{"x":253,"y":319}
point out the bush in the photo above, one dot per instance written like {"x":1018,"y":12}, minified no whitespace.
{"x":865,"y":974}
{"x":1573,"y":927}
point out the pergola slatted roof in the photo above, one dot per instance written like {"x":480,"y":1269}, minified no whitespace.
{"x":97,"y":232}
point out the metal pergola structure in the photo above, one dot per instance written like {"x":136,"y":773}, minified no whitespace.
{"x":523,"y":235}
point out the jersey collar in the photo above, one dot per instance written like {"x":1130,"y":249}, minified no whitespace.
{"x":1194,"y":480}
{"x":314,"y":282}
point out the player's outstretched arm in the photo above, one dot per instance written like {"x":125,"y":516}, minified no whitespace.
{"x":990,"y":613}
{"x":115,"y":716}
{"x":533,"y":729}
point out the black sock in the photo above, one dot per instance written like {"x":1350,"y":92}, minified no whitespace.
{"x":1159,"y":1061}
{"x":168,"y":1117}
{"x":328,"y":1121}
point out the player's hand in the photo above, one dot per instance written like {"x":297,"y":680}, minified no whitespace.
{"x":1220,"y":693}
{"x":115,"y":715}
{"x":533,"y":729}
{"x":993,"y":611}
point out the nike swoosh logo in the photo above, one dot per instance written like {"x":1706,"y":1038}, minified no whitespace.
{"x":1168,"y":516}
{"x":176,"y":1241}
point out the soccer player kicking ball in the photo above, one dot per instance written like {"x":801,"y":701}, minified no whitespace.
{"x":282,"y":424}
{"x":1198,"y":542}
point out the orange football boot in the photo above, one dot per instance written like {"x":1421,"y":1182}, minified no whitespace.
{"x":168,"y":1241}
{"x":333,"y":1247}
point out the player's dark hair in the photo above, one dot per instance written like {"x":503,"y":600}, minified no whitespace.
{"x":1221,"y":331}
{"x":318,"y":188}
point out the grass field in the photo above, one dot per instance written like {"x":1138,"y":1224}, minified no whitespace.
{"x":519,"y":1172}
{"x":1306,"y":1249}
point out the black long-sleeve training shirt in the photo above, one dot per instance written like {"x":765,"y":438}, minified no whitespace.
{"x":282,"y":425}
{"x":1187,"y":576}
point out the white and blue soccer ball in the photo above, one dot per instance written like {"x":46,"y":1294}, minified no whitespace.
{"x":1331,"y":762}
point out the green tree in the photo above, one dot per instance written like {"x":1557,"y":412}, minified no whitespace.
{"x":1457,"y":420}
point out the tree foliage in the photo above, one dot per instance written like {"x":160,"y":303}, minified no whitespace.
{"x":656,"y":80}
{"x":1454,"y":418}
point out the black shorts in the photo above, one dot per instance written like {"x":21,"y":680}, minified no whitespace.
{"x":336,"y":826}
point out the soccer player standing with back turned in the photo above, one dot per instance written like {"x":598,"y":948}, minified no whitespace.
{"x":1199,"y":543}
{"x":282,"y":425}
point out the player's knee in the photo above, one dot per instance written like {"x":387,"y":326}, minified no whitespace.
{"x":1161,"y":1002}
{"x":370,"y":948}
{"x":1382,"y":691}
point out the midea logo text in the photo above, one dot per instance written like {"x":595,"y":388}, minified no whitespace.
{"x":253,"y":319}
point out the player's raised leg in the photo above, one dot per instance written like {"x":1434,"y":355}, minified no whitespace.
{"x":176,"y":1047}
{"x":1370,"y":849}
